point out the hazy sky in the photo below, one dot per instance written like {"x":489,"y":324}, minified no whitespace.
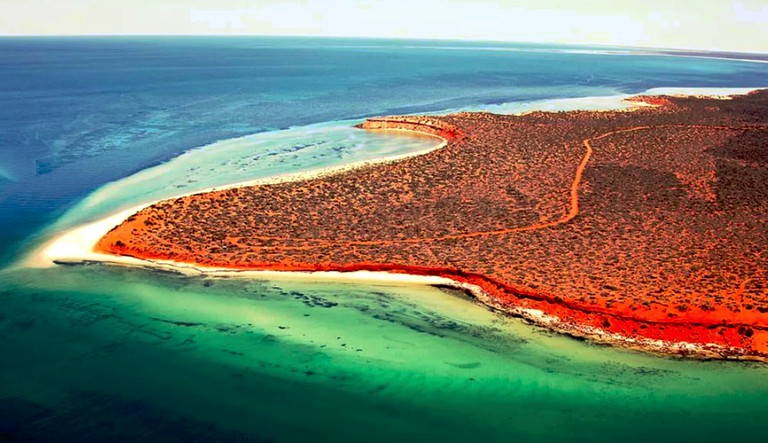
{"x":737,"y":25}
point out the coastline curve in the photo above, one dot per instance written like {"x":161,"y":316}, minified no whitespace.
{"x":702,"y":350}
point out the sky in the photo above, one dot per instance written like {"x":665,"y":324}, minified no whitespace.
{"x":730,"y":25}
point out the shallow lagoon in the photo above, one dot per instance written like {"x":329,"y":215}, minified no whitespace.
{"x":167,"y":356}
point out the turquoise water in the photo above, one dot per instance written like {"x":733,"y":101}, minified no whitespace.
{"x":175,"y":358}
{"x":94,"y":353}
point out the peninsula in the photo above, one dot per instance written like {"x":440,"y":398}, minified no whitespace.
{"x":646,"y":229}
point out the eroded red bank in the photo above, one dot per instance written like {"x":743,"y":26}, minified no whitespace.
{"x":638,"y":228}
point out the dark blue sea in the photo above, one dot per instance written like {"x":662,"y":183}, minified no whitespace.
{"x":92,"y":125}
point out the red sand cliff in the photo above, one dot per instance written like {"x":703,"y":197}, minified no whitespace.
{"x":643,"y":225}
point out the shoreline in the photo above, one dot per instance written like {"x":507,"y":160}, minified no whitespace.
{"x":404,"y":276}
{"x":607,"y":103}
{"x":77,"y":246}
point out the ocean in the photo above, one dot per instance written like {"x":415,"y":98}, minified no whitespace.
{"x":90,"y":126}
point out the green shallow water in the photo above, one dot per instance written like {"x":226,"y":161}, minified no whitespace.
{"x":98,"y":353}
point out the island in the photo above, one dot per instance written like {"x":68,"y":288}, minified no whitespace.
{"x":645,"y":228}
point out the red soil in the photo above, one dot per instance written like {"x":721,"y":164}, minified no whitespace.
{"x":648,"y":224}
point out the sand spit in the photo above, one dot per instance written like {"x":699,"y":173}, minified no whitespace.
{"x":77,"y":246}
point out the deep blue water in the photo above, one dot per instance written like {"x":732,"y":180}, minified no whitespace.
{"x":79,"y":112}
{"x":95,"y":353}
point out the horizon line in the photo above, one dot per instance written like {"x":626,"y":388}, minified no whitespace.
{"x":398,"y":38}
